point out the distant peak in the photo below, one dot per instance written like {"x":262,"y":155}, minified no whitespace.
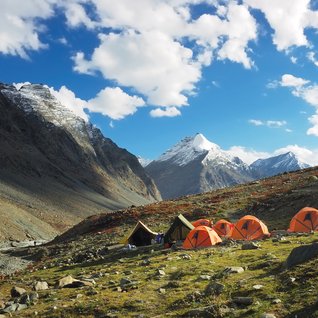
{"x":201,"y":143}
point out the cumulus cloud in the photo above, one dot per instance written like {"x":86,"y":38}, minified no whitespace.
{"x":292,"y":81}
{"x":111,"y":102}
{"x":145,"y":48}
{"x":312,"y":58}
{"x":246,"y":154}
{"x":19,"y":25}
{"x":166,"y":112}
{"x":268,"y":123}
{"x":115,"y":103}
{"x":288,"y":19}
{"x":68,"y":99}
{"x":307,"y":91}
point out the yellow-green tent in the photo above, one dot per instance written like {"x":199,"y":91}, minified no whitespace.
{"x":141,"y":235}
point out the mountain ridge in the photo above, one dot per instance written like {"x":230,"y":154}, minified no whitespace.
{"x":60,"y":166}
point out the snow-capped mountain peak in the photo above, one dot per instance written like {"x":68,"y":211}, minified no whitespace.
{"x":188,"y":149}
{"x":199,"y":143}
{"x":278,"y":164}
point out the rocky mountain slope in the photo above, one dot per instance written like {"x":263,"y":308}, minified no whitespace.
{"x":275,"y":165}
{"x":196,"y":165}
{"x":55,"y":168}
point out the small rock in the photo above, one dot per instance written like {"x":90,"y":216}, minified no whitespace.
{"x":161,"y":273}
{"x":17,"y":291}
{"x":41,"y":286}
{"x":145,"y":262}
{"x":266,"y":315}
{"x":186,"y":256}
{"x":276,"y":301}
{"x":10,"y":308}
{"x":161,"y":291}
{"x":128,"y":272}
{"x":243,"y":300}
{"x":258,"y":287}
{"x":214,"y":289}
{"x":65,"y":281}
{"x":250,"y":246}
{"x":21,"y":307}
{"x":204,"y":277}
{"x":233,"y":270}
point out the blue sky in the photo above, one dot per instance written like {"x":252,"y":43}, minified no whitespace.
{"x":150,"y":72}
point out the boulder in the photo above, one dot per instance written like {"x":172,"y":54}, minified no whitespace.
{"x":41,"y":286}
{"x":17,"y":291}
{"x":246,"y":301}
{"x":233,"y":270}
{"x":266,"y":315}
{"x":302,"y":254}
{"x":214,"y":289}
{"x":250,"y":246}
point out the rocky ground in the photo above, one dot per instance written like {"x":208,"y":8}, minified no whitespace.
{"x":89,"y":277}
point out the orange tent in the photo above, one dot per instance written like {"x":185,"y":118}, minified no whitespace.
{"x":201,"y":236}
{"x":202,"y":222}
{"x":223,"y":228}
{"x":306,"y":220}
{"x":249,"y":228}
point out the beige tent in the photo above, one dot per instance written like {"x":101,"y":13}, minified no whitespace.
{"x":178,"y":230}
{"x":141,"y":235}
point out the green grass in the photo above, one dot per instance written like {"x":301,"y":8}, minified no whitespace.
{"x":181,"y":282}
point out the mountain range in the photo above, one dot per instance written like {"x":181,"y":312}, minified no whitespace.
{"x":196,"y":165}
{"x":56,"y":168}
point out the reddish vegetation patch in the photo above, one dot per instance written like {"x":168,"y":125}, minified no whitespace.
{"x":249,"y":198}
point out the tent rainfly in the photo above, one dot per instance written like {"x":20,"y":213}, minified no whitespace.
{"x":141,"y":235}
{"x":178,"y":230}
{"x":306,"y":220}
{"x":223,"y":228}
{"x":249,"y":228}
{"x":202,"y":222}
{"x":201,"y":236}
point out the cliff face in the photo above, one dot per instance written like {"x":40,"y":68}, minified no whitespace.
{"x":56,"y":168}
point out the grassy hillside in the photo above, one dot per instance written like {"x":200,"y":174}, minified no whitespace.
{"x":154,"y":282}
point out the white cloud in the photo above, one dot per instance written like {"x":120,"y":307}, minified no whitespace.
{"x":152,"y":63}
{"x":293,"y":59}
{"x":292,"y":81}
{"x":268,"y":123}
{"x":256,"y":122}
{"x":145,"y":49}
{"x":308,"y":92}
{"x":67,"y":98}
{"x":114,"y":103}
{"x":311,"y":57}
{"x":76,"y":15}
{"x":247,"y":155}
{"x":19,"y":25}
{"x":166,"y":112}
{"x":289,"y":19}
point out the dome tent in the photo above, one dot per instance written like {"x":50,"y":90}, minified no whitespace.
{"x":306,"y":220}
{"x":249,"y":228}
{"x":201,"y":236}
{"x":223,"y":228}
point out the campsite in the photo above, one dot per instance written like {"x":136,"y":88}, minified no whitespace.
{"x":89,"y":274}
